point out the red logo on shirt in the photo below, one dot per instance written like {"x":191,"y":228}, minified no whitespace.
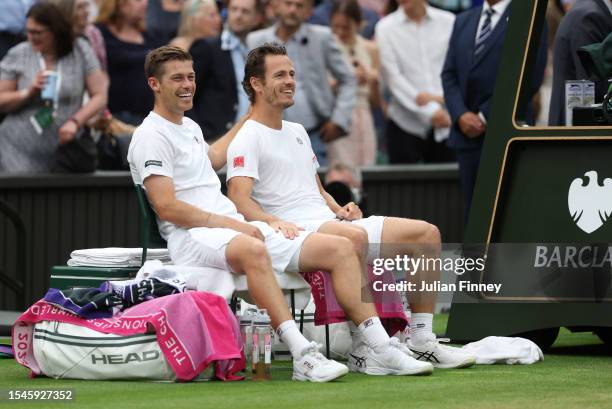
{"x":239,"y":162}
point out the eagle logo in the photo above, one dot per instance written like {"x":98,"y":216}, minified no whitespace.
{"x":590,"y":204}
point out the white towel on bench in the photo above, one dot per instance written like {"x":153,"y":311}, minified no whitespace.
{"x":115,"y":257}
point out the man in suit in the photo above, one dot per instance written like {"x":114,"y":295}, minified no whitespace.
{"x":315,"y":53}
{"x":468,"y":79}
{"x":587,"y":22}
{"x":219,"y":65}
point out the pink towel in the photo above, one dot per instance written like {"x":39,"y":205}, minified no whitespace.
{"x":328,"y":311}
{"x":194,"y":329}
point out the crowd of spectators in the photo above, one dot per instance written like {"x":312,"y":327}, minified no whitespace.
{"x":378,"y":81}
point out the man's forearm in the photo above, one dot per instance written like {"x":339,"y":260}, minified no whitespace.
{"x":252,"y":211}
{"x":331,"y":202}
{"x":187,"y":216}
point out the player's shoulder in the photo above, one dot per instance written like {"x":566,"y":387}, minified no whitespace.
{"x":443,"y":16}
{"x":294,"y":127}
{"x":387,"y":21}
{"x":152,"y":132}
{"x":248,"y":134}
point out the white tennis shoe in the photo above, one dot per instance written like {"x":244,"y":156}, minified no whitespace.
{"x":314,"y":367}
{"x":395,"y":360}
{"x":441,"y":356}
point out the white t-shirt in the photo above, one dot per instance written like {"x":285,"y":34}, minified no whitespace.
{"x":160,"y":147}
{"x":284,"y":168}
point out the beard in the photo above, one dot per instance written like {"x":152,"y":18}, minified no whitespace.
{"x":273,"y":99}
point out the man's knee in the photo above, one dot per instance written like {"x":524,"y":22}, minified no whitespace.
{"x":249,"y":253}
{"x":342,"y":249}
{"x":431,"y":234}
{"x":359,"y":238}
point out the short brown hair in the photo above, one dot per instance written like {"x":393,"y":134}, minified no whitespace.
{"x":154,"y":63}
{"x":256,"y":65}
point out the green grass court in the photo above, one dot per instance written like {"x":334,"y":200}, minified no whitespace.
{"x":576,"y":373}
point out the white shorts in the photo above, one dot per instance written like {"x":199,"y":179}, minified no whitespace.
{"x":205,"y":247}
{"x":373,"y":225}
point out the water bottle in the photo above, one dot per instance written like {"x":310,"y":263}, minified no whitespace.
{"x":261,"y":364}
{"x":246,"y":330}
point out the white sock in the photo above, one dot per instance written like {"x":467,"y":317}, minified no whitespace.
{"x":356,"y":337}
{"x":291,"y":335}
{"x":374,"y":334}
{"x":420,"y":327}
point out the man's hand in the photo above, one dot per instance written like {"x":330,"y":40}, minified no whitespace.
{"x":471,"y":125}
{"x":330,"y":131}
{"x":289,"y":230}
{"x":247,"y":229}
{"x":440,"y":119}
{"x":349,"y":212}
{"x":424,"y":98}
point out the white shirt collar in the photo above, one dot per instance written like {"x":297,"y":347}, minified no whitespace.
{"x":403,"y":17}
{"x":499,"y":7}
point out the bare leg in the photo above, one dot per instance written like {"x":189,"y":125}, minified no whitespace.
{"x":247,"y":255}
{"x":356,"y":234}
{"x":337,"y":255}
{"x":414,"y":238}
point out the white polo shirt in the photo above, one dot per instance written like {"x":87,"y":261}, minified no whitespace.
{"x":284,"y":168}
{"x":160,"y":147}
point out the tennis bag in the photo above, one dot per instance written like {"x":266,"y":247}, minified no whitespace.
{"x":176,"y":337}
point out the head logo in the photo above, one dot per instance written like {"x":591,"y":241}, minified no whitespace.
{"x":590,"y":204}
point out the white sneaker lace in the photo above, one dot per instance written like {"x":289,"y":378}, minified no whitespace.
{"x":396,"y":343}
{"x":313,"y":348}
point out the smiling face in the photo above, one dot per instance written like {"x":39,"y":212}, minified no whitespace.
{"x":175,"y":87}
{"x":278,"y":86}
{"x":39,"y":36}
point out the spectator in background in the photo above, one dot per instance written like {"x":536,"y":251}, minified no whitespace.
{"x":163,"y":18}
{"x":321,"y":15}
{"x":413,"y":41}
{"x":587,"y":22}
{"x":343,"y":183}
{"x":199,"y":19}
{"x":12,"y":22}
{"x":378,"y":6}
{"x":316,"y":54}
{"x":122,"y":23}
{"x":78,"y":12}
{"x":468,"y":77}
{"x":33,"y":128}
{"x":219,"y":63}
{"x":359,"y":147}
